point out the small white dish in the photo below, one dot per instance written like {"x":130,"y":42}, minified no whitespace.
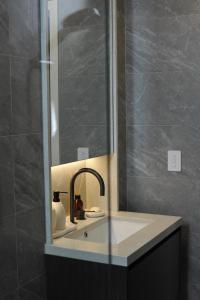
{"x":94,"y":214}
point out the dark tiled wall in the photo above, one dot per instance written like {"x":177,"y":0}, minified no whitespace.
{"x":163,"y":113}
{"x":121,"y":105}
{"x":82,"y":78}
{"x":21,"y":173}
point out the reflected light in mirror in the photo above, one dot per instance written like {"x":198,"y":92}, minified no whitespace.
{"x":54,"y":121}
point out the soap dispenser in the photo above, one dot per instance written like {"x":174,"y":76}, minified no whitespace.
{"x":60,"y":214}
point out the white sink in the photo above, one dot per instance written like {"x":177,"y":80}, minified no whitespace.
{"x":117,"y":230}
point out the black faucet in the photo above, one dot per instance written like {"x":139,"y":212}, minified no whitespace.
{"x":72,"y":184}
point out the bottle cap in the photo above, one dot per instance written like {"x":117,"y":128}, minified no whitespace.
{"x":78,"y":197}
{"x":56,"y":196}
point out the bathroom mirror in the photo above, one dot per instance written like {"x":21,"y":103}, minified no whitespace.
{"x":78,"y":80}
{"x":78,"y":59}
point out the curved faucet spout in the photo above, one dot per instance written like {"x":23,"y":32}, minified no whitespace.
{"x":72,"y":184}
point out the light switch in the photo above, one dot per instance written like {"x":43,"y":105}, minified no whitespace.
{"x":174,"y":161}
{"x":83,"y":153}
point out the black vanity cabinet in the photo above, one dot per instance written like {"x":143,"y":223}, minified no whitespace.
{"x":154,"y":276}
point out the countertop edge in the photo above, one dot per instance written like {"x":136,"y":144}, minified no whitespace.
{"x":119,"y":260}
{"x":153,"y":242}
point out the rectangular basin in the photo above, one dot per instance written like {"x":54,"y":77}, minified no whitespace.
{"x":117,"y":230}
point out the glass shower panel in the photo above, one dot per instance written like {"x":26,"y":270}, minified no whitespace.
{"x":76,"y":98}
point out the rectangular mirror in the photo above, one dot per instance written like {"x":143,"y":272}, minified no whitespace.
{"x":79,"y":118}
{"x":78,"y":80}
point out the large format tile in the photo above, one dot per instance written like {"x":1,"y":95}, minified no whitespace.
{"x":163,"y":44}
{"x":82,"y":116}
{"x":26,"y":96}
{"x":7,"y":204}
{"x":194,"y":270}
{"x":4,"y":27}
{"x":35,"y":289}
{"x":30,"y":244}
{"x":81,"y":13}
{"x":147,"y":148}
{"x":11,"y":296}
{"x":5,"y":96}
{"x":8,"y":262}
{"x":28,"y":171}
{"x":9,"y":282}
{"x":194,"y":291}
{"x":83,"y":100}
{"x":93,"y":137}
{"x":82,"y":51}
{"x":172,"y":196}
{"x":161,"y":8}
{"x":163,"y":98}
{"x":162,"y":68}
{"x":143,"y":151}
{"x":24,"y":38}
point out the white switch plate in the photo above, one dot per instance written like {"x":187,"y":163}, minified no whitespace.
{"x":83,"y":153}
{"x":174,"y":161}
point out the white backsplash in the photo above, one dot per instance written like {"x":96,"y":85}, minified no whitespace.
{"x":93,"y":198}
{"x":86,"y":184}
{"x":60,"y":180}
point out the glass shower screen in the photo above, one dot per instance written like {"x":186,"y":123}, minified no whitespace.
{"x":78,"y":118}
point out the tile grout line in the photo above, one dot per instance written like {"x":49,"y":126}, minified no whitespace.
{"x":21,"y":134}
{"x":13,"y":168}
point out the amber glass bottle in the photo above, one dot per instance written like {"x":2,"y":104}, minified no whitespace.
{"x":78,"y":205}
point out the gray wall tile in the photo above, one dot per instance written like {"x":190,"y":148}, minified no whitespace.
{"x":174,"y":196}
{"x":8,"y":259}
{"x":4,"y":27}
{"x":21,"y":179}
{"x":24,"y":39}
{"x":161,"y":8}
{"x":26,"y":96}
{"x":147,"y":148}
{"x":163,"y":44}
{"x":7,"y":204}
{"x":93,"y":137}
{"x":36,"y":288}
{"x":83,"y":100}
{"x":81,"y":13}
{"x":11,"y":296}
{"x":33,"y":291}
{"x":5,"y":96}
{"x":86,"y":51}
{"x":164,"y":196}
{"x":28,"y":171}
{"x":30,"y":244}
{"x":9,"y":280}
{"x":83,"y":94}
{"x":162,"y":98}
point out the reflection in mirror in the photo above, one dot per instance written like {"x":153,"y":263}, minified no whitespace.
{"x":78,"y":86}
{"x":79,"y":114}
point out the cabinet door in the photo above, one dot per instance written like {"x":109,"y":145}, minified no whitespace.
{"x":156,"y":275}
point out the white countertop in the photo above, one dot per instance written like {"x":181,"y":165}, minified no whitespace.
{"x":124,"y":253}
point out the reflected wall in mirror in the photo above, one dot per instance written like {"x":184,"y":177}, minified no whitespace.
{"x":78,"y":79}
